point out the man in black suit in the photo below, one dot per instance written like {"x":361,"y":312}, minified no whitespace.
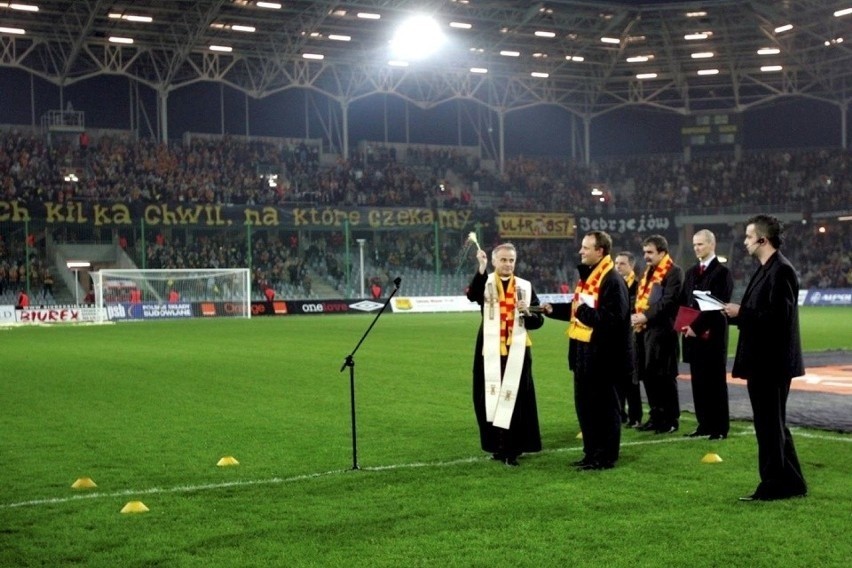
{"x":629,"y":395}
{"x":705,"y":341}
{"x":657,"y":349}
{"x":599,"y":350}
{"x":769,"y":355}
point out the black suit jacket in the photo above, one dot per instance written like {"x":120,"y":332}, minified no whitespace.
{"x":710,"y":327}
{"x":659,"y":339}
{"x":770,"y":345}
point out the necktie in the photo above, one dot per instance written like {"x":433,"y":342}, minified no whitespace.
{"x":701,"y":268}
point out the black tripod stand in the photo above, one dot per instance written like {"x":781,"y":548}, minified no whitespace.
{"x":350,"y":362}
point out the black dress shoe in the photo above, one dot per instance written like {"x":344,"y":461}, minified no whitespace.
{"x":695,"y":434}
{"x":668,"y":429}
{"x":581,"y":463}
{"x":498,"y":457}
{"x":752,"y":497}
{"x":633,"y":424}
{"x":718,"y":436}
{"x":597,"y":465}
{"x":511,"y":461}
{"x":647,"y":426}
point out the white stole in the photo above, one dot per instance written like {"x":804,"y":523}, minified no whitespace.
{"x":501,"y":393}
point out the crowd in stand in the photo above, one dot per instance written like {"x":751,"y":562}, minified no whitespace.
{"x":231,"y":171}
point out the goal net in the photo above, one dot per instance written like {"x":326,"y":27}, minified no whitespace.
{"x":135,"y":294}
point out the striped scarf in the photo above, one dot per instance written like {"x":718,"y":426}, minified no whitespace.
{"x":506,"y":299}
{"x":631,"y":278}
{"x":651,"y":277}
{"x":592,"y":287}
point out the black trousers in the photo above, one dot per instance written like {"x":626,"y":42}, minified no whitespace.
{"x":710,"y":395}
{"x":778,"y":463}
{"x":596,"y":402}
{"x":629,"y":400}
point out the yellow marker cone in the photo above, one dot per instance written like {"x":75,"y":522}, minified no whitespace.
{"x":83,"y":483}
{"x":711,"y":458}
{"x":580,"y":436}
{"x":227,"y":460}
{"x":134,"y":507}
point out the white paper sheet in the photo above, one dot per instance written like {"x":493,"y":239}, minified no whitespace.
{"x":707,"y":302}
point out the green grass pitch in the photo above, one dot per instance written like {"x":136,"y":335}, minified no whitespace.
{"x":146,"y":410}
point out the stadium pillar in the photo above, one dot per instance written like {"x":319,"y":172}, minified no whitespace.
{"x":344,"y":108}
{"x":501,"y":136}
{"x":361,"y":263}
{"x":163,"y":113}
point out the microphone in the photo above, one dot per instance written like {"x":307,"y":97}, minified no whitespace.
{"x":397,"y":281}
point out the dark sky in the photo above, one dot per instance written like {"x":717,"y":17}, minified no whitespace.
{"x":543,"y":130}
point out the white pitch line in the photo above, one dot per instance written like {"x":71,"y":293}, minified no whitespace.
{"x":308,"y":476}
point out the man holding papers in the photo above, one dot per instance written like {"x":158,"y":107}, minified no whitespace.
{"x":705,"y":336}
{"x":599,"y":349}
{"x":769,"y":355}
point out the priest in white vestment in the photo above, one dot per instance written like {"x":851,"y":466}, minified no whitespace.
{"x":503,"y":388}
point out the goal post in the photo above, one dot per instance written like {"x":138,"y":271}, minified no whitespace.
{"x":137,"y":294}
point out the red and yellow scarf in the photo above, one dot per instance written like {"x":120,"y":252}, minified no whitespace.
{"x":591,"y":286}
{"x":650,"y":278}
{"x":506,"y":299}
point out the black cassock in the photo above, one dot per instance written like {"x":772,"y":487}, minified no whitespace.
{"x":523,"y":434}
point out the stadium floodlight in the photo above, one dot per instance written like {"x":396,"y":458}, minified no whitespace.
{"x":416,"y":38}
{"x":27,"y":7}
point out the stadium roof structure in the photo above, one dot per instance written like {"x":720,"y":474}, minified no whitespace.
{"x":589,"y":57}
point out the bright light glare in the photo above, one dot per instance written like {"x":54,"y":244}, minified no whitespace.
{"x":16,"y":31}
{"x":31,"y":8}
{"x":416,"y":38}
{"x":118,"y":39}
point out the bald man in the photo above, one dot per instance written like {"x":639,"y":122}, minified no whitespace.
{"x":705,"y":341}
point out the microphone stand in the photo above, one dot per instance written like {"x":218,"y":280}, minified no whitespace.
{"x":350,"y":362}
